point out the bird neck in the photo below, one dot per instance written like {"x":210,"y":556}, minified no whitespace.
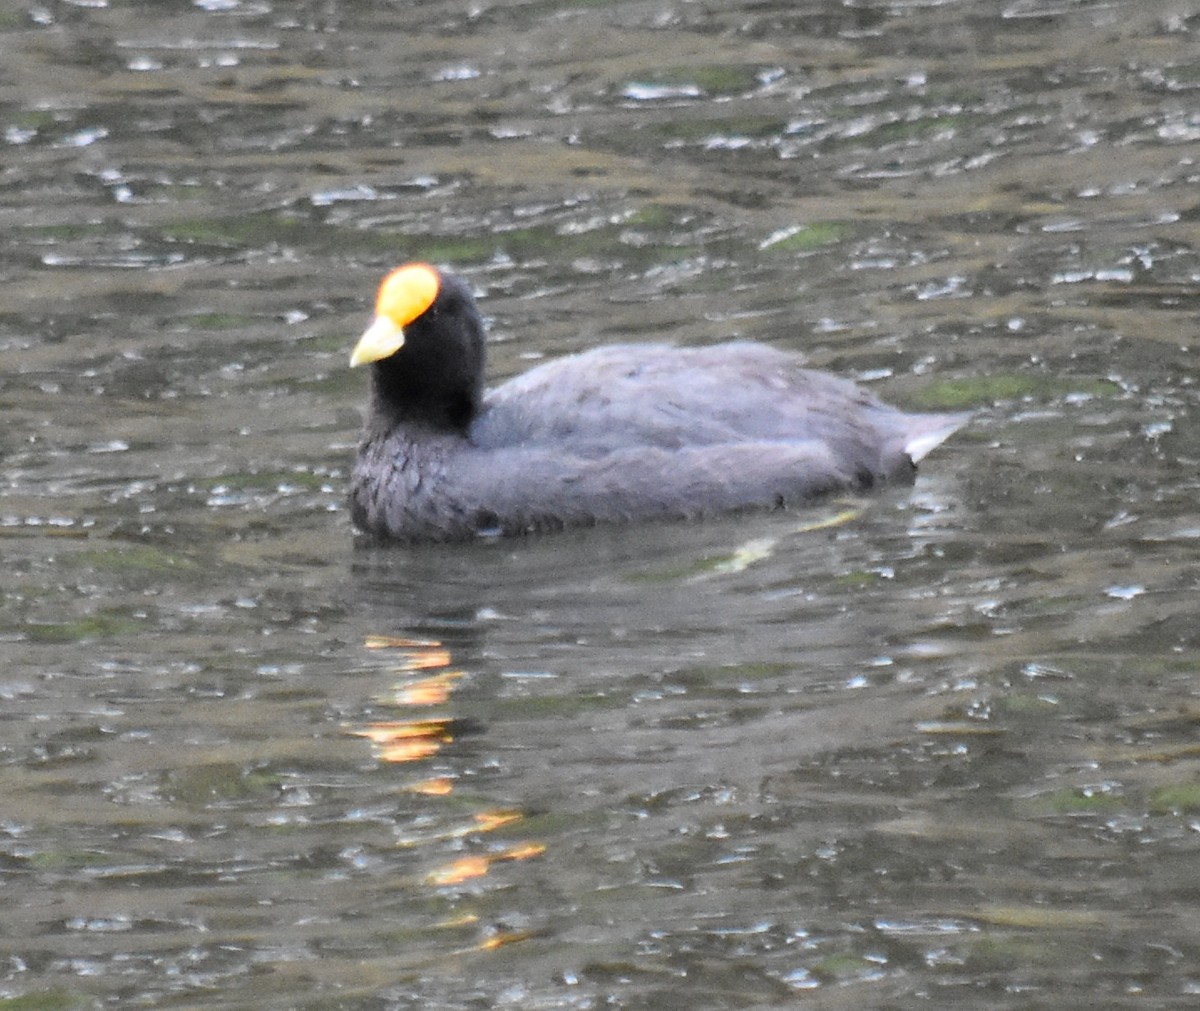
{"x":397,"y":403}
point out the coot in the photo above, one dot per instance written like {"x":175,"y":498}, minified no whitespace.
{"x":624,"y":432}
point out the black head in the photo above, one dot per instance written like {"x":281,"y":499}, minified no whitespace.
{"x":426,"y":349}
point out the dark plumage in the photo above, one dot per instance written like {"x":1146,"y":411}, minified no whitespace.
{"x":624,"y":432}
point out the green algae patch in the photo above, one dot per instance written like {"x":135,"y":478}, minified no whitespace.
{"x":103,"y":625}
{"x":1175,"y":798}
{"x":1074,"y":801}
{"x":48,"y":1000}
{"x":841,"y":967}
{"x":956,"y":394}
{"x":802,"y":238}
{"x":710,"y":79}
{"x":219,"y":782}
{"x":1035,"y":917}
{"x":134,"y":558}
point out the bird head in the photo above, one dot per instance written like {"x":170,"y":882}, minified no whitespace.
{"x":404,"y":295}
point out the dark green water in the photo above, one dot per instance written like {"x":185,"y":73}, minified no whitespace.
{"x":932,"y":749}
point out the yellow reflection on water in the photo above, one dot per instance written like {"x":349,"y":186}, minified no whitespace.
{"x":406,"y":740}
{"x":398,"y":642}
{"x":458,"y":871}
{"x":489,"y":821}
{"x":431,"y":691}
{"x":440,"y":786}
{"x":501,"y":938}
{"x":476,"y":866}
{"x":425,"y":681}
{"x":527,"y":851}
{"x":420,"y":654}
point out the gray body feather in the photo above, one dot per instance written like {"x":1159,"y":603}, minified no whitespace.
{"x":634,"y":432}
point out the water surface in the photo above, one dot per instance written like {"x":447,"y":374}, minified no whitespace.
{"x":935,"y":747}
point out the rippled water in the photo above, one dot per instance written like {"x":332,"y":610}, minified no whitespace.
{"x":933,"y":748}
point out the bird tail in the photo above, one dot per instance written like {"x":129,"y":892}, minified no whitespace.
{"x":928,"y":431}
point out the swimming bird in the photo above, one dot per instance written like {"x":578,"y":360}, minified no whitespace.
{"x":625,"y":432}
